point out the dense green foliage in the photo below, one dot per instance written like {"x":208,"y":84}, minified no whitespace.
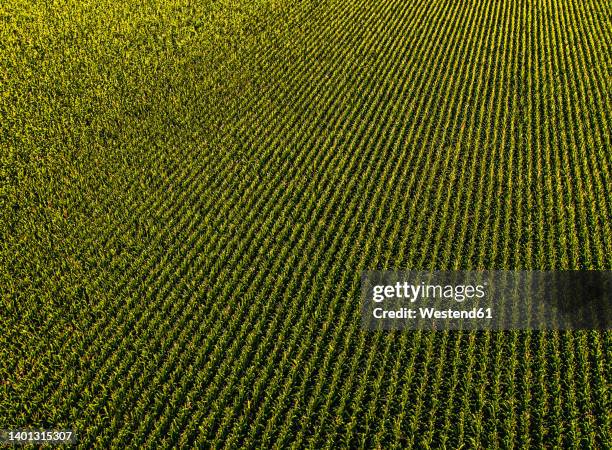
{"x":189,"y":190}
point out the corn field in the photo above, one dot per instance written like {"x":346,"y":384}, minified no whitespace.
{"x":189,"y":191}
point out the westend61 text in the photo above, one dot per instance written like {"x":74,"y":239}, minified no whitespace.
{"x":433,"y":313}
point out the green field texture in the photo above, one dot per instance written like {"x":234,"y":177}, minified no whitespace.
{"x":190,"y":189}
